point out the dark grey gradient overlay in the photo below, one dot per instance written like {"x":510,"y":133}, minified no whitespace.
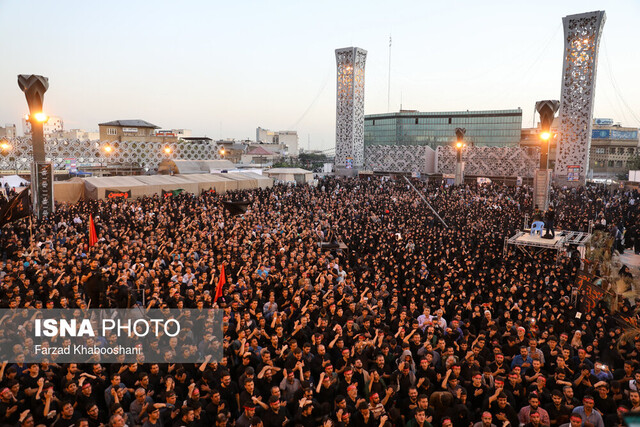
{"x":119,"y":335}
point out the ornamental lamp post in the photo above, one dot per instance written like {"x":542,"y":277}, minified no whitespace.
{"x":34,"y":88}
{"x":459,"y":178}
{"x":542,"y":178}
{"x":547,"y":110}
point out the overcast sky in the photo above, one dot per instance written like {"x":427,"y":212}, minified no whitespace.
{"x":224,"y":68}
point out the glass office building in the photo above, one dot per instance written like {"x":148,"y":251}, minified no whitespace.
{"x":484,"y":128}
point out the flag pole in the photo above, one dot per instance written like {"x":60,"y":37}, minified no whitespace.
{"x":425,"y":200}
{"x":30,"y":220}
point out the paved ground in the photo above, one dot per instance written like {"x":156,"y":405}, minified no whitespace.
{"x":632,"y":261}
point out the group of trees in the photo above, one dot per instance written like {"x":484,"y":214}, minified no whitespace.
{"x":309,"y":161}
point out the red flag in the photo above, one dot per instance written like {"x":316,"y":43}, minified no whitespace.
{"x":221,"y":282}
{"x":93,"y":236}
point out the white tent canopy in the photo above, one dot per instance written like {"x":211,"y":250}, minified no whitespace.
{"x":206,"y":182}
{"x":13,"y":181}
{"x":202,"y":166}
{"x":296,"y":175}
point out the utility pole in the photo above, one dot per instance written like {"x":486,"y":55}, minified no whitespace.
{"x":389,"y":82}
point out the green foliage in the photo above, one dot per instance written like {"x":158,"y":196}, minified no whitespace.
{"x":633,"y":163}
{"x":312,"y":161}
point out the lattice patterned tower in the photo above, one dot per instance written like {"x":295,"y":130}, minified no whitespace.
{"x":581,"y":43}
{"x":350,"y":110}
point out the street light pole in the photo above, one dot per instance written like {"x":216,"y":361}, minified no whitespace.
{"x":5,"y":147}
{"x":107,"y":150}
{"x":34,"y":88}
{"x":459,"y":178}
{"x":542,"y":180}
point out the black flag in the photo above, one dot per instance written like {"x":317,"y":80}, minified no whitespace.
{"x":236,"y":208}
{"x":18,"y":207}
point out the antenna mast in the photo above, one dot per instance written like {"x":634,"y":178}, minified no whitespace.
{"x":389,"y":83}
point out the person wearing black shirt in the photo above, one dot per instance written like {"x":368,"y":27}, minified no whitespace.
{"x":502,"y":410}
{"x":605,"y":404}
{"x":215,"y":406}
{"x":275,"y":416}
{"x":229,"y":393}
{"x":549,"y":219}
{"x":67,"y":417}
{"x":305,"y":417}
{"x":558,"y":412}
{"x":94,"y":286}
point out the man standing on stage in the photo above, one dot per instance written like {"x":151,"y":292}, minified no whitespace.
{"x":549,"y":218}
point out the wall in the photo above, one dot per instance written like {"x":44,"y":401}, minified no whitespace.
{"x":91,"y":153}
{"x":393,"y":158}
{"x":490,"y":161}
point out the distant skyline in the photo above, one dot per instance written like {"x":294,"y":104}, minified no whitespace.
{"x":222,"y":69}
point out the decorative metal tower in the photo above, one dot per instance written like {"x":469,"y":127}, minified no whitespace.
{"x":350,"y":110}
{"x":581,"y":42}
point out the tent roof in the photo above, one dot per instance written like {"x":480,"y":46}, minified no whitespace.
{"x":114,"y":181}
{"x":162,"y":179}
{"x":259,"y":151}
{"x":202,"y":166}
{"x":13,"y":180}
{"x":254,"y":175}
{"x":131,"y":123}
{"x":205,"y":177}
{"x":286,"y":170}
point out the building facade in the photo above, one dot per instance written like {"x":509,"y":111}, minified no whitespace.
{"x":581,"y":43}
{"x":76,"y":134}
{"x":8,"y":131}
{"x":350,"y":63}
{"x":287,"y":139}
{"x":131,"y":130}
{"x":613,"y":146}
{"x":497,"y":128}
{"x":174,"y":133}
{"x":52,"y":126}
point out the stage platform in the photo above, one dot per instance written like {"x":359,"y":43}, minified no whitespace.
{"x":533,"y":245}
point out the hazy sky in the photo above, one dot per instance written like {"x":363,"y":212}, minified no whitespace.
{"x":224,"y":68}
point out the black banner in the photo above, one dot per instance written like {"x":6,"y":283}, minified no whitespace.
{"x":591,"y":294}
{"x":117,"y":194}
{"x":44,"y":189}
{"x":18,"y":207}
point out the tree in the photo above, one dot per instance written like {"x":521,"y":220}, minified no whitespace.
{"x":634,"y":163}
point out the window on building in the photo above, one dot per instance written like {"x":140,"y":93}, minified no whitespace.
{"x":620,"y":150}
{"x":112,"y":131}
{"x":449,"y":120}
{"x":618,"y":163}
{"x":610,"y":163}
{"x":600,"y":150}
{"x":612,"y":150}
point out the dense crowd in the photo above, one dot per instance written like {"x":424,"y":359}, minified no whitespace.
{"x":348,"y":303}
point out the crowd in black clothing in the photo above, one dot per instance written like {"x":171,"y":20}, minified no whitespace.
{"x":413,"y":324}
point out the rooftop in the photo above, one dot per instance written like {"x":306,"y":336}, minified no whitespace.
{"x":130,"y":123}
{"x":259,"y":151}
